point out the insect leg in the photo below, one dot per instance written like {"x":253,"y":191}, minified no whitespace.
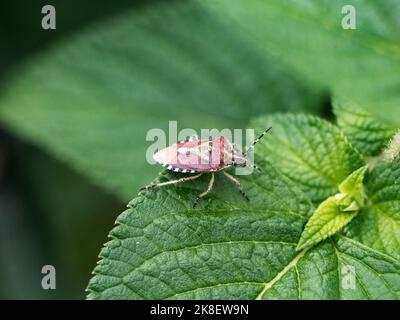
{"x":238,"y":184}
{"x":201,"y":195}
{"x":185,"y":179}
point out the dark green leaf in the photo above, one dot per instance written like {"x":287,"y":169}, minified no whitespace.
{"x":369,"y":135}
{"x":310,"y":151}
{"x":230,"y":249}
{"x":92,"y":100}
{"x":378,"y":224}
{"x":363,"y":64}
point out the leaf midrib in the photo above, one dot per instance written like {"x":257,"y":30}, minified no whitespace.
{"x":280,"y":274}
{"x":189,"y":248}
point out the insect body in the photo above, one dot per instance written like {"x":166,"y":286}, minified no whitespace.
{"x":195,"y":156}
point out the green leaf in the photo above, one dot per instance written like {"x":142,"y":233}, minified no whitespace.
{"x":378,"y":224}
{"x":326,"y":221}
{"x":376,"y":274}
{"x":369,"y":135}
{"x":310,"y":151}
{"x":162,"y":248}
{"x":353,"y":185}
{"x":335,"y":212}
{"x":231,"y":249}
{"x":363,"y":64}
{"x":320,"y":273}
{"x":92,"y":99}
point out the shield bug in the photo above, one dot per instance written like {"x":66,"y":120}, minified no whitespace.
{"x":197,"y":157}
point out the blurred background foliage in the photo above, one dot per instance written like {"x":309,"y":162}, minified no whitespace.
{"x":76,"y":103}
{"x":49,"y":213}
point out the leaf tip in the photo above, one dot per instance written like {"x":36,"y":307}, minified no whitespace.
{"x":301,"y":245}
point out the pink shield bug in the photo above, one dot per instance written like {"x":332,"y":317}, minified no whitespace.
{"x":195,"y":156}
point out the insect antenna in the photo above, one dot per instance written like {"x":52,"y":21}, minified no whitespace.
{"x":255,"y":141}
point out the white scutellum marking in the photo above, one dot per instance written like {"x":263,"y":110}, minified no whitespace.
{"x":200,"y":153}
{"x":184,"y":150}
